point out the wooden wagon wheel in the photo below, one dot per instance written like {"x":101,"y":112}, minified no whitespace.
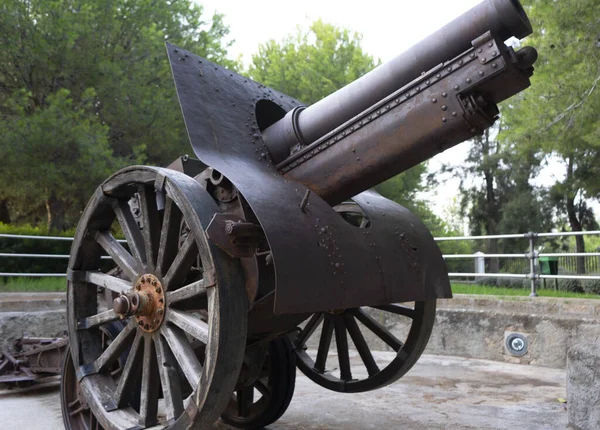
{"x":339,"y":377}
{"x":332,"y":369}
{"x":266,"y":399}
{"x":182,"y":301}
{"x":75,"y":411}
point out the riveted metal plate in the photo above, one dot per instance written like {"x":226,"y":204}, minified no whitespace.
{"x":321,"y":261}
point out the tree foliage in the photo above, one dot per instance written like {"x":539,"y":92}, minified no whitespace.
{"x":86,"y":83}
{"x":311,"y":63}
{"x":558,"y":116}
{"x":498,"y":196}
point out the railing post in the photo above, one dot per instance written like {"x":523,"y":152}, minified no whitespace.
{"x":532,"y":255}
{"x":479,"y":262}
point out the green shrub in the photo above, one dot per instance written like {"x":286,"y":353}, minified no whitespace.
{"x":33,"y":246}
{"x":591,"y":286}
{"x":503,"y":282}
{"x":570,"y":285}
{"x":485,"y":280}
{"x":526,"y":283}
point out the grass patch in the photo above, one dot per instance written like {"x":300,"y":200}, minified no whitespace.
{"x":499,"y":291}
{"x":20,"y":285}
{"x":52,"y":284}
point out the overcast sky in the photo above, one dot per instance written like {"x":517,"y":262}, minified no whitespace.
{"x":388,"y":28}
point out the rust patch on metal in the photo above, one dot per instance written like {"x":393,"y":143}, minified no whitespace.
{"x":150,"y":312}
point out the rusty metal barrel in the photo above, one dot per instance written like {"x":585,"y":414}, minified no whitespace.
{"x":290,"y":138}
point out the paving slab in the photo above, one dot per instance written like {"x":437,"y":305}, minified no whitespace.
{"x":438,"y":393}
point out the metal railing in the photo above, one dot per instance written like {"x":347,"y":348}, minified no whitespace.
{"x":530,"y":256}
{"x":23,"y":255}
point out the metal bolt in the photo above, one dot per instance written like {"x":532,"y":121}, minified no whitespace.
{"x":517,"y":344}
{"x":481,"y":73}
{"x":468,"y":80}
{"x":444,"y":119}
{"x":121,"y":305}
{"x":444,"y":107}
{"x":434,"y":100}
{"x":494,"y":65}
{"x":444,"y":94}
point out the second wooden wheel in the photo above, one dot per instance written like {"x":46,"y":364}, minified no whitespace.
{"x":266,"y":398}
{"x":332,"y":369}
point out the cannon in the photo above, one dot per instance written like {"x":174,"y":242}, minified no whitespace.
{"x":271,"y":251}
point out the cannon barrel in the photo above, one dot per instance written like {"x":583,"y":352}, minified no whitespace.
{"x":468,"y":52}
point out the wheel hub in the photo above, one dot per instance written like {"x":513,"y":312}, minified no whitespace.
{"x":147,"y":303}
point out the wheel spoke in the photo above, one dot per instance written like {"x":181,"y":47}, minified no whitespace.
{"x":398,"y":310}
{"x":149,"y":393}
{"x":184,"y":354}
{"x":131,"y":230}
{"x":169,"y":236}
{"x":116,"y":347}
{"x":119,"y":254}
{"x":190,"y":324}
{"x":309,"y":329}
{"x":182,"y":263}
{"x":245,"y":399}
{"x":169,"y":378}
{"x":381,"y":332}
{"x":96,"y":320}
{"x":150,"y":223}
{"x":130,"y":371}
{"x":109,"y":282}
{"x":192,"y":290}
{"x":324,"y":344}
{"x":361,"y":345}
{"x":341,"y":341}
{"x":263,"y":388}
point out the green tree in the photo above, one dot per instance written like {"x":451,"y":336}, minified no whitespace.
{"x":558,"y":116}
{"x":311,"y":63}
{"x":497,"y":194}
{"x":61,"y":134}
{"x":101,"y":63}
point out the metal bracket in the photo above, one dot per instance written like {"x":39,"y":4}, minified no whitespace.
{"x":234,"y":235}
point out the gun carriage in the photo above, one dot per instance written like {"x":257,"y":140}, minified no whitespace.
{"x":252,"y":259}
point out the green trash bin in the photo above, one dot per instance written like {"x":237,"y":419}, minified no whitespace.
{"x":549,"y":265}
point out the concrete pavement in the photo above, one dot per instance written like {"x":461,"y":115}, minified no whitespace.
{"x":438,"y":393}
